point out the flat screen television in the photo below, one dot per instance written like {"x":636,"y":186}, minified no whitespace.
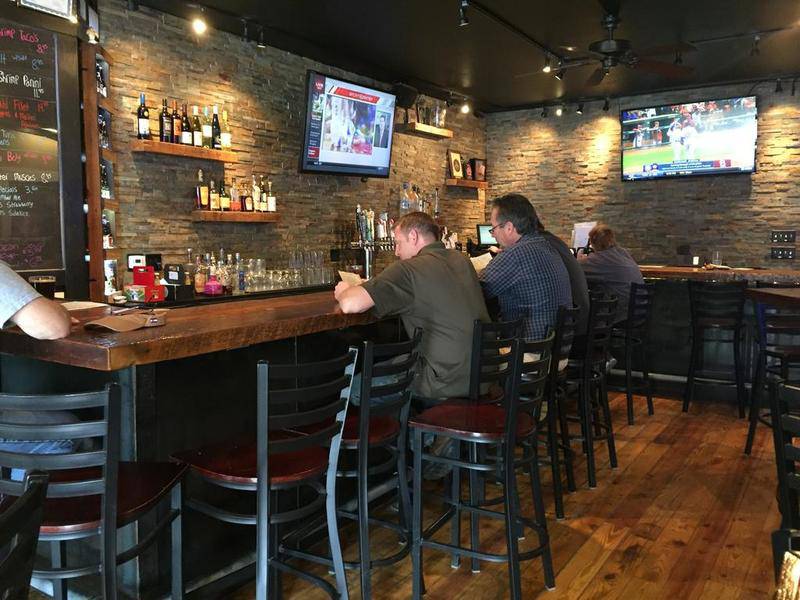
{"x":348,"y":128}
{"x":696,"y":138}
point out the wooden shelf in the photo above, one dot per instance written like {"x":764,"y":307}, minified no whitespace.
{"x":102,"y":53}
{"x":235,"y":217}
{"x":108,"y":154}
{"x":155,"y":147}
{"x":423,"y":130}
{"x":468,"y":183}
{"x":103,"y":103}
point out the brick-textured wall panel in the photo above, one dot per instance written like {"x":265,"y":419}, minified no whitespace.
{"x":265,"y":92}
{"x":570,"y":168}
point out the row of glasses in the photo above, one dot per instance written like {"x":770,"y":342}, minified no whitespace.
{"x":303,"y":268}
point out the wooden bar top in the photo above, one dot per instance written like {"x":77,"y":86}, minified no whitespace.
{"x":783,"y":298}
{"x":699,"y":273}
{"x":189,"y":331}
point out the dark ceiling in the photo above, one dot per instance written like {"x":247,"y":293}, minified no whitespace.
{"x":420,"y":42}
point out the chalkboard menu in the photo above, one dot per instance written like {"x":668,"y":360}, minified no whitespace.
{"x":30,"y":198}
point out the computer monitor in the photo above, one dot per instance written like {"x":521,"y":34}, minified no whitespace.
{"x":485,"y":237}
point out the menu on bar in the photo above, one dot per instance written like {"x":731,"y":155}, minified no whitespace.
{"x":30,"y":198}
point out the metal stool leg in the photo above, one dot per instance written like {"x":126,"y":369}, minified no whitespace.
{"x":541,"y":520}
{"x":552,"y":447}
{"x":176,"y":503}
{"x":474,"y":499}
{"x":739,"y":371}
{"x":565,"y":442}
{"x":755,"y":401}
{"x":629,"y":377}
{"x":58,"y":556}
{"x":455,"y":497}
{"x":416,"y":528}
{"x":509,"y":484}
{"x":697,"y":343}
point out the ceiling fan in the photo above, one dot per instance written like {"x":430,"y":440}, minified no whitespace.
{"x":611,"y":52}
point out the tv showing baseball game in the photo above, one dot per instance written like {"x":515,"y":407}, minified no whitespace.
{"x":696,"y":138}
{"x":348,"y":128}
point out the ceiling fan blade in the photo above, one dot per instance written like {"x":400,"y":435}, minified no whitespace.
{"x":596,"y":77}
{"x":667,"y":49}
{"x":610,"y":6}
{"x":662,"y":68}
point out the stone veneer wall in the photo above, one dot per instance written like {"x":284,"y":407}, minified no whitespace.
{"x":265,"y":91}
{"x":570,"y":168}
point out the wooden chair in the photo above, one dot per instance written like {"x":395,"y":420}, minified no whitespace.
{"x":716,"y":306}
{"x":90,"y":493}
{"x":301,"y":411}
{"x":632,"y":336}
{"x":496,"y":427}
{"x":19,"y":534}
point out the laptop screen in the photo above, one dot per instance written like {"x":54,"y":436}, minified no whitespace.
{"x":485,"y":237}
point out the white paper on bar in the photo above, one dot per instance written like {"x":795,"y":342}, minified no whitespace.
{"x":480,"y":262}
{"x":80,"y":305}
{"x":580,"y":234}
{"x":350,"y":278}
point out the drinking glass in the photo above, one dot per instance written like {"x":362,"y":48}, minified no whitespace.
{"x":716,"y":257}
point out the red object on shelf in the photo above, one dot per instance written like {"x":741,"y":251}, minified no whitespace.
{"x":146,"y":277}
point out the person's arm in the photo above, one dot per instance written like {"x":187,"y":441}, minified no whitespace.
{"x":43,"y":319}
{"x":496,"y":277}
{"x":352,"y":298}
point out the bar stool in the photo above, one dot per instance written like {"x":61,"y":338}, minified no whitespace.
{"x":633,"y":333}
{"x":382,"y":419}
{"x":284,"y":458}
{"x":587,"y":377}
{"x":784,"y":357}
{"x":91,"y":493}
{"x":19,"y":534}
{"x":497,"y":427}
{"x":720,"y":307}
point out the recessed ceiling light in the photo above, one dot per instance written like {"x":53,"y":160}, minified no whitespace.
{"x":559,"y":111}
{"x":465,"y":108}
{"x":199,"y":26}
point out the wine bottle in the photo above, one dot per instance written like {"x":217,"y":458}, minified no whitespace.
{"x":186,"y":128}
{"x":165,"y":123}
{"x":142,"y":120}
{"x":216,"y":131}
{"x":176,"y":123}
{"x":225,"y":136}
{"x":224,"y":198}
{"x":201,"y":192}
{"x":206,"y":128}
{"x":197,"y":129}
{"x":213,"y":196}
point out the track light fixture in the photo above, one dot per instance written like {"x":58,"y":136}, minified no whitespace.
{"x":261,"y":43}
{"x":463,"y":20}
{"x":547,"y":66}
{"x":560,"y":74}
{"x":544,"y":112}
{"x":579,"y":110}
{"x":778,"y":86}
{"x":559,"y":111}
{"x":606,"y":105}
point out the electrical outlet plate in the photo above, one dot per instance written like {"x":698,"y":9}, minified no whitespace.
{"x":782,"y":253}
{"x":135,"y":260}
{"x":783,"y":236}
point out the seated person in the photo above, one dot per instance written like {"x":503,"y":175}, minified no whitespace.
{"x":528,"y":277}
{"x":610,"y":267}
{"x":430,"y":288}
{"x":40,"y":318}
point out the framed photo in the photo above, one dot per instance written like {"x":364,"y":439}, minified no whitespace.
{"x":478,"y":168}
{"x":456,"y":168}
{"x":60,"y":8}
{"x":467,"y":170}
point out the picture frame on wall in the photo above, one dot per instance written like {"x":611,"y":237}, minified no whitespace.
{"x":59,"y":8}
{"x":455,"y":165}
{"x":478,"y":168}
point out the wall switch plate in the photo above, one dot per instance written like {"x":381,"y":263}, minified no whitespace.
{"x":786,"y":253}
{"x":135,"y":260}
{"x":783,"y":236}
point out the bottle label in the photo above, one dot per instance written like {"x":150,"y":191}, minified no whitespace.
{"x":197,"y":137}
{"x":214,"y":201}
{"x":225,"y":202}
{"x":206,"y":131}
{"x":225,"y":139}
{"x":271,"y":204}
{"x":186,"y":137}
{"x":204,"y":197}
{"x":144,"y":126}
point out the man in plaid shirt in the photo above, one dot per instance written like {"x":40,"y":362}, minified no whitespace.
{"x":528,"y":277}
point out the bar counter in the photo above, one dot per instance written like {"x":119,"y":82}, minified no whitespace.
{"x":189,"y":331}
{"x":787,"y":276}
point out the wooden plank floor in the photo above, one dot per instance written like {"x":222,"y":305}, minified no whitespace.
{"x":686,"y":515}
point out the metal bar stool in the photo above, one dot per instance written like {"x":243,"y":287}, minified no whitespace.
{"x":498,"y":427}
{"x":719,"y":307}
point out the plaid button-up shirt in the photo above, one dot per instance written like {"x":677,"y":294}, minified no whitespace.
{"x":530,"y":281}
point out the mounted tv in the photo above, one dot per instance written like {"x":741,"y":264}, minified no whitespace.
{"x":697,"y":138}
{"x":348,"y":128}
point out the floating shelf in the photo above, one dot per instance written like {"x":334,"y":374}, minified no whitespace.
{"x":423,"y":130}
{"x":235,"y":217}
{"x":156,"y":147}
{"x":468,"y":183}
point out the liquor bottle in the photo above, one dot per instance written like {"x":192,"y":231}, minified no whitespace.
{"x":142,"y":120}
{"x":236,"y":202}
{"x":404,"y":206}
{"x":188,"y":269}
{"x":176,"y":123}
{"x":231,"y":276}
{"x":200,"y":275}
{"x":165,"y":123}
{"x":197,"y":129}
{"x":272,"y":202}
{"x":186,"y":128}
{"x":102,"y":129}
{"x":216,"y":131}
{"x":206,"y":128}
{"x":101,"y":79}
{"x":240,"y":286}
{"x":224,"y":198}
{"x":213,"y":195}
{"x":256,"y":195}
{"x":226,"y":136}
{"x":262,"y":205}
{"x":201,"y":193}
